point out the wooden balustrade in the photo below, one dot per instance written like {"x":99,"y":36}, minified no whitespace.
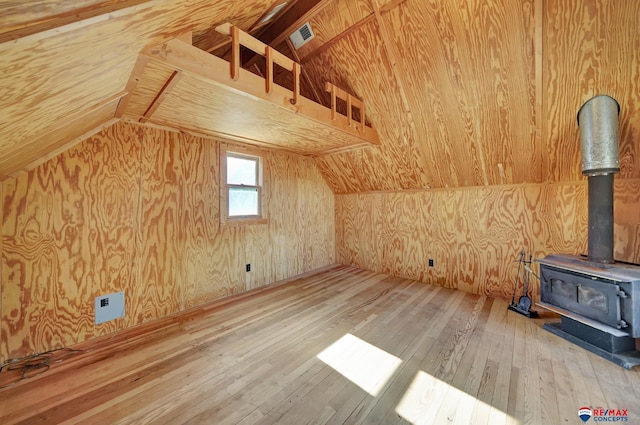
{"x":241,"y":38}
{"x":351,"y":101}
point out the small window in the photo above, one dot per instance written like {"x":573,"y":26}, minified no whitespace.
{"x":242,"y":187}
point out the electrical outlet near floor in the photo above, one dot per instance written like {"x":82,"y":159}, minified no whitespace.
{"x":109,"y":307}
{"x":248,"y":267}
{"x":430,"y":262}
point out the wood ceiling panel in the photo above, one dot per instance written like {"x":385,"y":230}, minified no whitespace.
{"x":332,"y":21}
{"x":590,"y":48}
{"x":243,"y":17}
{"x":21,"y":14}
{"x":154,"y":76}
{"x":59,"y":138}
{"x":199,"y":105}
{"x":470,"y":69}
{"x":52,"y":76}
{"x":365,"y":69}
{"x":463,"y":93}
{"x":467,"y":76}
{"x":21,"y":19}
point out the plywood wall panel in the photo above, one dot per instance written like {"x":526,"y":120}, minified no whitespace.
{"x":137,"y":209}
{"x":474,"y":235}
{"x":69,"y":236}
{"x":627,"y":221}
{"x":319,"y":220}
{"x":590,"y":48}
{"x":163,"y":237}
{"x":359,"y":230}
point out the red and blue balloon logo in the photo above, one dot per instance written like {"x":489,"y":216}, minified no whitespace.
{"x":585,"y":413}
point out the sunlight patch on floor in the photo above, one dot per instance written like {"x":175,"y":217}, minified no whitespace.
{"x":364,"y":364}
{"x":429,"y":400}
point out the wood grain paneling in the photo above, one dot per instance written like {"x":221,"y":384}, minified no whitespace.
{"x":461,"y":358}
{"x":470,"y":118}
{"x":17,"y":15}
{"x":398,"y":162}
{"x":137,"y":209}
{"x":466,"y":93}
{"x":590,"y":48}
{"x":53,"y":75}
{"x":69,"y":236}
{"x":474,"y":235}
{"x":331,"y":21}
{"x":21,"y":19}
{"x":3,"y":337}
{"x":59,"y":138}
{"x":208,"y":101}
{"x":476,"y":93}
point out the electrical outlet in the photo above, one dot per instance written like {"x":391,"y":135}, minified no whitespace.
{"x":430,"y":262}
{"x":248,"y":267}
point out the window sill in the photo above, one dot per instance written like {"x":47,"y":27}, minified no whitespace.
{"x":244,"y":221}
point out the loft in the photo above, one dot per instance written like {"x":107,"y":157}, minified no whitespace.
{"x":177,"y":85}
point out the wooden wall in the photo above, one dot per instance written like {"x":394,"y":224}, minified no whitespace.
{"x":474,"y":93}
{"x":474,"y":235}
{"x":137,"y":209}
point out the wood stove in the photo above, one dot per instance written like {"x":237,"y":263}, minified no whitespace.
{"x":597,"y":298}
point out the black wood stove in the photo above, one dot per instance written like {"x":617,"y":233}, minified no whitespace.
{"x":597,"y":297}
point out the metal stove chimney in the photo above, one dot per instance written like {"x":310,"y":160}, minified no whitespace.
{"x":598,"y":123}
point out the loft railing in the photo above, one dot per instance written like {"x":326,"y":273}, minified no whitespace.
{"x":241,"y":38}
{"x":351,"y":101}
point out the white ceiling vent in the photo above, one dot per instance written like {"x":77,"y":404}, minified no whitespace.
{"x":302,"y":36}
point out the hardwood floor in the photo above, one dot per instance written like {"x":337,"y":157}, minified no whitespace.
{"x":341,"y":346}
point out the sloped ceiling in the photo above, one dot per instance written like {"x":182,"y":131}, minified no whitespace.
{"x":462,"y":92}
{"x":475,"y":92}
{"x":61,"y":66}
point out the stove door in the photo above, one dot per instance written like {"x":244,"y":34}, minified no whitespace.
{"x":585,"y":295}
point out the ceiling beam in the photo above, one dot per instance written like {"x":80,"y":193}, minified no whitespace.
{"x":338,"y":37}
{"x":292,"y":19}
{"x":136,"y":74}
{"x":72,"y":19}
{"x":278,"y":31}
{"x":162,"y":94}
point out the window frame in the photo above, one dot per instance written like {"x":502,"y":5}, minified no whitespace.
{"x":242,"y":152}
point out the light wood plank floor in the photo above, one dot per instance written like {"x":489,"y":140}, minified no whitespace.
{"x":341,"y":346}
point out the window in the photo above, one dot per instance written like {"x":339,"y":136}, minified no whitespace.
{"x":242,"y":183}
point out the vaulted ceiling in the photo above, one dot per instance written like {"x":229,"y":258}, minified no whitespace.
{"x":462,"y":92}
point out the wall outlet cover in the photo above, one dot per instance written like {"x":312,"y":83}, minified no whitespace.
{"x":109,"y":307}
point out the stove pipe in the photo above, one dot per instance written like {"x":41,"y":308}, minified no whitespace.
{"x":598,"y":122}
